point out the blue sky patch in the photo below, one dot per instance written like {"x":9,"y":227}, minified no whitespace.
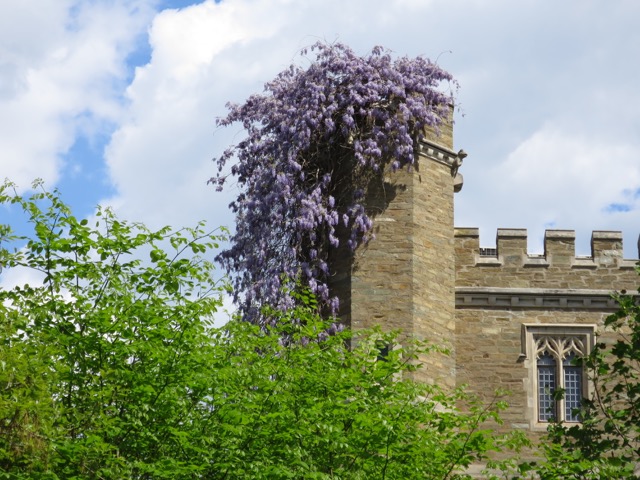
{"x":180,"y":3}
{"x":84,"y":179}
{"x":618,"y":207}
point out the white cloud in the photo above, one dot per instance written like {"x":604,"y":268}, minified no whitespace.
{"x":559,"y":179}
{"x":203,"y":56}
{"x":19,"y":277}
{"x":542,"y":122}
{"x":553,"y":162}
{"x":61,"y":65}
{"x":550,"y":101}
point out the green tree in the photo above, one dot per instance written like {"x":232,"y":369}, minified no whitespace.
{"x":110,"y":368}
{"x":298,"y":403}
{"x":103,"y":363}
{"x":607,"y":442}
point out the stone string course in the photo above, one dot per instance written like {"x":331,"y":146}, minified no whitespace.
{"x":537,"y":298}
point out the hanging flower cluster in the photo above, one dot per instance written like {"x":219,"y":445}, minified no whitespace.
{"x":315,"y":139}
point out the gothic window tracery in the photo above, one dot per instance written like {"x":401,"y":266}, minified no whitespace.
{"x":556,"y":368}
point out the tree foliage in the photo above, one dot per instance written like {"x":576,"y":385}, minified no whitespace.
{"x":109,"y":368}
{"x":315,"y":139}
{"x":309,"y":406}
{"x":102,"y":357}
{"x":606,"y":444}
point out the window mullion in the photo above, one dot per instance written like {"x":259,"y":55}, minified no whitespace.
{"x":561,"y":387}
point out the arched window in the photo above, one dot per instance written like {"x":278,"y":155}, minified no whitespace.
{"x":557,"y":368}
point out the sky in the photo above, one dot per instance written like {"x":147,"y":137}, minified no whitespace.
{"x":114,"y":102}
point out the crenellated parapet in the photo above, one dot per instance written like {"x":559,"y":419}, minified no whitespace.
{"x":509,"y":265}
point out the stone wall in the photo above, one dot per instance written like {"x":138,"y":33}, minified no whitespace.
{"x":503,"y":291}
{"x":404,"y":278}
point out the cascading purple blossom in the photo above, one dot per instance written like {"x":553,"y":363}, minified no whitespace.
{"x":315,"y":139}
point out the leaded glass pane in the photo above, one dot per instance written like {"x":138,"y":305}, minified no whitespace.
{"x":573,"y":389}
{"x":546,"y":387}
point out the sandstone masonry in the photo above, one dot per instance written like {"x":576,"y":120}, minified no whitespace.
{"x":491,"y":307}
{"x":502,"y":293}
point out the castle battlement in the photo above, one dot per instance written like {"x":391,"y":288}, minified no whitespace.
{"x":508,"y":265}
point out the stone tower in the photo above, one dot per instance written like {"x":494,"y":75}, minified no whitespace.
{"x":405,"y":278}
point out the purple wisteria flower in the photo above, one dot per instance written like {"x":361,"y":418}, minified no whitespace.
{"x":315,"y":139}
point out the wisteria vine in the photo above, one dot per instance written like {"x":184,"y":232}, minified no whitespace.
{"x":315,"y":138}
